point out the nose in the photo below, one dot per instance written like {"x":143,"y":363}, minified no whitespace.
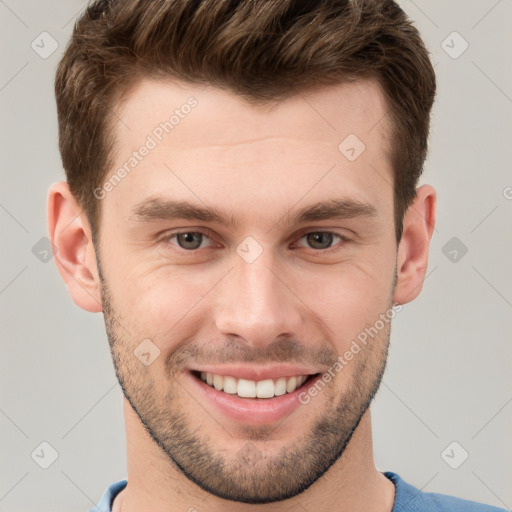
{"x":256,"y":302}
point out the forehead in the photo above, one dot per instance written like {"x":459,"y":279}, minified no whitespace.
{"x":203,"y":143}
{"x":357,"y":106}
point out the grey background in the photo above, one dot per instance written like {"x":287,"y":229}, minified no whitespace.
{"x":448,"y":377}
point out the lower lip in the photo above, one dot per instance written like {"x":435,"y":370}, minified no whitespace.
{"x":254,"y":411}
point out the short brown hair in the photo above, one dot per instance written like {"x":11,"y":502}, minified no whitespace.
{"x":261,"y":50}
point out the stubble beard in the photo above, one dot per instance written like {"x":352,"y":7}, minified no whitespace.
{"x":249,"y":475}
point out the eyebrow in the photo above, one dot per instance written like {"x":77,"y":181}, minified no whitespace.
{"x":156,"y":209}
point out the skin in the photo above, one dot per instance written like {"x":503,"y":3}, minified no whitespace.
{"x":296,"y":302}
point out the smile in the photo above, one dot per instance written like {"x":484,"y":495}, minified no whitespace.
{"x":252,"y":402}
{"x":245,"y":388}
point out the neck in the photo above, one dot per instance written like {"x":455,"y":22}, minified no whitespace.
{"x":154,"y":483}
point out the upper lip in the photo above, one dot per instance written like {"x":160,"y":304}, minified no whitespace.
{"x":242,"y":371}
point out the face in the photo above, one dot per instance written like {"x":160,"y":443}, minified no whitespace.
{"x":244,"y":243}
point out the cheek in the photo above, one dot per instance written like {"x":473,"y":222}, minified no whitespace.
{"x":356,"y":306}
{"x":348,"y":297}
{"x":162,"y":303}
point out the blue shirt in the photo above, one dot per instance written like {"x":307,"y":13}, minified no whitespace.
{"x":407,"y":499}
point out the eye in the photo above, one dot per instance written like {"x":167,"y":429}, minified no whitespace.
{"x":322,"y":240}
{"x":188,"y":240}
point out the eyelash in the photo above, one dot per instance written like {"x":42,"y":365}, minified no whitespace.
{"x":173,"y":235}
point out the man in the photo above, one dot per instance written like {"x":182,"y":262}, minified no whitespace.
{"x":242,"y":205}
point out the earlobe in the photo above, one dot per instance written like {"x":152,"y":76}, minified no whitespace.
{"x":75,"y":255}
{"x":412,"y":257}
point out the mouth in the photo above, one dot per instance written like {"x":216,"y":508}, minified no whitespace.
{"x":251,"y":389}
{"x":251,"y":402}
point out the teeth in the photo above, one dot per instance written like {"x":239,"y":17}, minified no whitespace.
{"x":218,"y":382}
{"x":230,"y":385}
{"x":251,"y":389}
{"x":280,"y":387}
{"x":291,"y":384}
{"x":265,"y":388}
{"x":246,"y":388}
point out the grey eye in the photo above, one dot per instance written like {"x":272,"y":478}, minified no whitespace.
{"x":320,"y":239}
{"x":189,"y":240}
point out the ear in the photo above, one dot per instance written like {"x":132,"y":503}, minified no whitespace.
{"x":74,"y":253}
{"x":412,"y":258}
